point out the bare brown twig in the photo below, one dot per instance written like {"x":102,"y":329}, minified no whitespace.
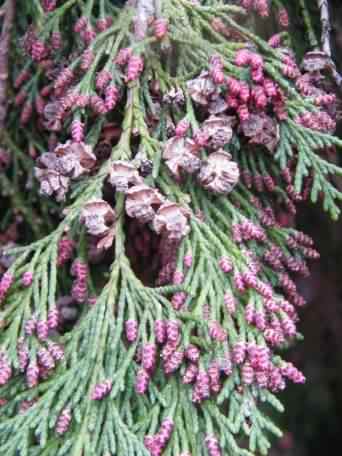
{"x":5,"y":38}
{"x":145,"y":10}
{"x":323,"y":6}
{"x":326,"y":26}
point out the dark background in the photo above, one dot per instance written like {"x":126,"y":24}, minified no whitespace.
{"x":313,"y":417}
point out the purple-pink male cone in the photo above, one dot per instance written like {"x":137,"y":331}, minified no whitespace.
{"x":165,"y":431}
{"x":30,"y":326}
{"x":142,"y":381}
{"x":5,"y":284}
{"x":172,"y":330}
{"x":45,"y":358}
{"x":225,"y":264}
{"x":213,"y":446}
{"x":32,"y":374}
{"x":63,"y":421}
{"x":173,"y":362}
{"x":192,"y":353}
{"x":134,"y":67}
{"x":23,"y":355}
{"x":101,"y":390}
{"x":42,"y":329}
{"x":160,"y":331}
{"x":187,"y":261}
{"x":5,"y":369}
{"x":131,"y":330}
{"x":53,"y":318}
{"x":239,"y":352}
{"x":190,"y":374}
{"x":149,"y":354}
{"x":27,"y":279}
{"x":56,"y":351}
{"x":178,"y":300}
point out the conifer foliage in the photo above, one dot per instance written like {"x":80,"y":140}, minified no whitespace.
{"x":155,"y":151}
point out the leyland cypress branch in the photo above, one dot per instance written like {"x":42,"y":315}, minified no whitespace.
{"x":171,"y":142}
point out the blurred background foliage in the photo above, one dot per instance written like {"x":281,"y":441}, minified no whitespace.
{"x":314,"y":413}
